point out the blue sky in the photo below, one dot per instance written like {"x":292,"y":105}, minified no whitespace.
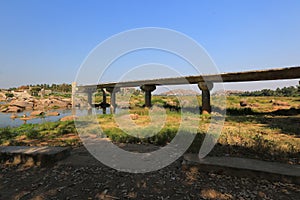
{"x":47,"y":41}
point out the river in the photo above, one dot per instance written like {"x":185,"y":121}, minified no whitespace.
{"x":6,"y":121}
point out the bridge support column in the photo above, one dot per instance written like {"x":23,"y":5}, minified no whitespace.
{"x":74,"y":85}
{"x":148,"y":89}
{"x":90,"y":91}
{"x":113,"y":105}
{"x":104,"y":101}
{"x":90,"y":102}
{"x":205,"y":88}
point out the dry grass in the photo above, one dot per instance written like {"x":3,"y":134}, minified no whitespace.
{"x":261,"y":134}
{"x":214,"y":194}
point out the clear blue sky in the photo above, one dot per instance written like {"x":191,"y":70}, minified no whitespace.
{"x":46,"y":41}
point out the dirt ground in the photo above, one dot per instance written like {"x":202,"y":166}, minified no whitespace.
{"x":80,"y":176}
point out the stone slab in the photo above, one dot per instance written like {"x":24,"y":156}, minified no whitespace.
{"x":33,"y":155}
{"x":247,"y":167}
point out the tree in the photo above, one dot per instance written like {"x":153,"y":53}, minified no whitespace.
{"x":285,"y":92}
{"x":9,"y":95}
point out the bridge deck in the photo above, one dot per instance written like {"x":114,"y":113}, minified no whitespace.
{"x":259,"y":75}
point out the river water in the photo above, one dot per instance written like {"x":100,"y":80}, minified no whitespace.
{"x":6,"y":121}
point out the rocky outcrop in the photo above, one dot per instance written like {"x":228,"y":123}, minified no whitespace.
{"x":2,"y":97}
{"x":13,"y":109}
{"x":53,"y":114}
{"x":24,"y":105}
{"x":19,"y":105}
{"x":53,"y":103}
{"x":14,"y":116}
{"x":68,"y":118}
{"x":3,"y":109}
{"x":37,"y":113}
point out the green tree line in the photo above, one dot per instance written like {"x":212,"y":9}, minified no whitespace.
{"x":54,"y":87}
{"x":291,"y":91}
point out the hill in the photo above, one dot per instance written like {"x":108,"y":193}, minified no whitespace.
{"x":179,"y":92}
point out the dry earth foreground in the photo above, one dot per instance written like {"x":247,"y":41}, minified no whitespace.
{"x":80,"y":176}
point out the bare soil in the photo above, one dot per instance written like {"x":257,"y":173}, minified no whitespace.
{"x":80,"y":176}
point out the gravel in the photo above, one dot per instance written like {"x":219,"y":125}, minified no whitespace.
{"x":177,"y":181}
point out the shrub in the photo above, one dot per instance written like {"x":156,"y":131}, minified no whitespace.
{"x":6,"y":134}
{"x":32,"y":134}
{"x":9,"y":95}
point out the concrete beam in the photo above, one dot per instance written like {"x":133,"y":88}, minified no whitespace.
{"x":258,"y":75}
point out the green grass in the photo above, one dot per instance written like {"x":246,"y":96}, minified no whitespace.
{"x":254,"y":132}
{"x":39,"y":132}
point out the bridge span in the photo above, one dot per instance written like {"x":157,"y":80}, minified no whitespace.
{"x":204,"y":82}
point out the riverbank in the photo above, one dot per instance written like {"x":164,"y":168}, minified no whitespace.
{"x":239,"y":138}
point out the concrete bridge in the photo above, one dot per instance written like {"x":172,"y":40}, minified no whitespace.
{"x":204,"y":82}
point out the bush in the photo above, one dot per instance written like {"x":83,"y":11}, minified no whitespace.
{"x":32,"y":134}
{"x":9,"y":95}
{"x":6,"y":134}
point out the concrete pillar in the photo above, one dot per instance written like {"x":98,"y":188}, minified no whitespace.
{"x":148,"y":89}
{"x":113,"y":105}
{"x":90,"y":99}
{"x":42,"y":92}
{"x":104,"y":101}
{"x":90,"y":91}
{"x":205,"y":88}
{"x":74,"y":85}
{"x":90,"y":102}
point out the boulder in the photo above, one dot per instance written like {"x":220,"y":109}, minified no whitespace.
{"x":68,"y":100}
{"x":14,"y":116}
{"x":52,"y":102}
{"x":280,"y":103}
{"x":14,"y":109}
{"x":4,"y":109}
{"x":36,"y":113}
{"x":45,"y":101}
{"x":38,"y":105}
{"x":53,"y":114}
{"x":58,"y":103}
{"x":68,"y":118}
{"x":243,"y":103}
{"x":25,"y":118}
{"x":134,"y":116}
{"x":22,"y":104}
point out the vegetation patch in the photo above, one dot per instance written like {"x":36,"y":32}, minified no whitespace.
{"x":251,"y":131}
